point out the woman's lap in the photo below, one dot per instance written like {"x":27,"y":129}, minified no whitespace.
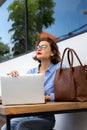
{"x":30,"y":123}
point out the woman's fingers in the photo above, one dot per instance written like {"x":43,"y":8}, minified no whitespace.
{"x":13,"y":73}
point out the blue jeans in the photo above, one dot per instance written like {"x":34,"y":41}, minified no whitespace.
{"x":31,"y":123}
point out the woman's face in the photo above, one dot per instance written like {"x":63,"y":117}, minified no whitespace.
{"x":43,"y":51}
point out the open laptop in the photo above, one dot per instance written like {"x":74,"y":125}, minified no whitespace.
{"x":24,"y":89}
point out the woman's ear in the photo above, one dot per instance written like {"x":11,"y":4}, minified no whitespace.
{"x":52,"y":54}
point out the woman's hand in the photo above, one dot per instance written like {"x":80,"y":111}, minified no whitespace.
{"x":47,"y":98}
{"x":13,"y":73}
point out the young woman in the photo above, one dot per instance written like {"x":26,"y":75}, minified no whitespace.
{"x":48,"y":56}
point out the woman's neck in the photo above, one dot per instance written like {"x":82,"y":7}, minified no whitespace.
{"x":44,"y":66}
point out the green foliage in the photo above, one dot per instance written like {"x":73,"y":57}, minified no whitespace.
{"x":4,"y":51}
{"x":40,"y":16}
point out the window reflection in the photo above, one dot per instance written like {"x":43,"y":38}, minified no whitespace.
{"x":70,"y":19}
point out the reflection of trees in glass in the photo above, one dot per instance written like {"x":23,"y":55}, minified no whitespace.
{"x":40,"y":15}
{"x":4,"y":51}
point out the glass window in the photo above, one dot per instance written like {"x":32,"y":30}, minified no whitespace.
{"x":70,"y":19}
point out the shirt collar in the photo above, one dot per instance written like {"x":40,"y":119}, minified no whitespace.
{"x":49,"y":68}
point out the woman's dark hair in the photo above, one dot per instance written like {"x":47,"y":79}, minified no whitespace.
{"x":54,"y":48}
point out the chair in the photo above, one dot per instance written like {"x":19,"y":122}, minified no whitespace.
{"x":2,"y":122}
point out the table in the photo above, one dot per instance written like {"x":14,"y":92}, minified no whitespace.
{"x":50,"y":107}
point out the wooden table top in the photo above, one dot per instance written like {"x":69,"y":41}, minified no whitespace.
{"x":47,"y":107}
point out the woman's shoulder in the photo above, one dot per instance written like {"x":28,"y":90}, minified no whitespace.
{"x":33,"y":70}
{"x":54,"y":67}
{"x":57,"y":66}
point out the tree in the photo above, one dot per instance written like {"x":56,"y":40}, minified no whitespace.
{"x":40,"y":16}
{"x":4,"y":51}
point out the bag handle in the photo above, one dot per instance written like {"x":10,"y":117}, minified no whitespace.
{"x":70,"y":52}
{"x":70,"y":58}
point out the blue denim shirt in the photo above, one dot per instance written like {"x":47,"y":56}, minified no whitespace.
{"x":49,"y":79}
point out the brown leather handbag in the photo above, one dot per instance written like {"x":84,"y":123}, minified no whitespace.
{"x":70,"y":84}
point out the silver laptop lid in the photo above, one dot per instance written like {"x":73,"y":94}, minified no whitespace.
{"x":24,"y":89}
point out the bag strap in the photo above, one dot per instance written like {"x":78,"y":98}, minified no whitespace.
{"x":63,"y":57}
{"x":70,"y":53}
{"x":70,"y":58}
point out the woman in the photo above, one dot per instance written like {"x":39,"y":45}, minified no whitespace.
{"x":48,"y":56}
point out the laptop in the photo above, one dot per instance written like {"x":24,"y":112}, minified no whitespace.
{"x":24,"y":89}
